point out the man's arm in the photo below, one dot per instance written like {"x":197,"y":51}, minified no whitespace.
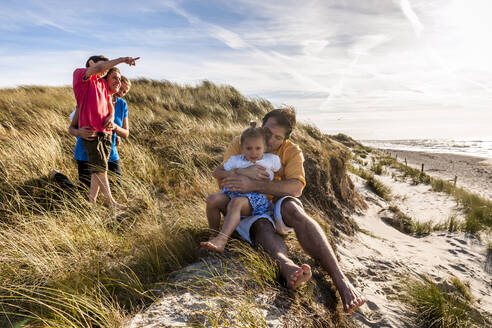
{"x":102,"y":66}
{"x":241,"y":183}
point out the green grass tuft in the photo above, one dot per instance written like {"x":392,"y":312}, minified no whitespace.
{"x":445,"y":305}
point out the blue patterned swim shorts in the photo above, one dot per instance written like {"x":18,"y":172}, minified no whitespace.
{"x":259,"y":202}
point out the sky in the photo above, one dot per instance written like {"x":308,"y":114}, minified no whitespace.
{"x":372,"y":69}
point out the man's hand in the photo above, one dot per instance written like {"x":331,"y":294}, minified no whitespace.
{"x":255,"y":172}
{"x":87,"y":133}
{"x":130,"y":61}
{"x":239,"y":183}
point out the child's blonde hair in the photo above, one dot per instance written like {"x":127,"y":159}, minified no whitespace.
{"x":126,"y":81}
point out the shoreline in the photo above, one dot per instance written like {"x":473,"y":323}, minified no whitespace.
{"x":473,"y":173}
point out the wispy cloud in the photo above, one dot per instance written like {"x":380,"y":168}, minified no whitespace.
{"x":407,"y":10}
{"x":326,"y":58}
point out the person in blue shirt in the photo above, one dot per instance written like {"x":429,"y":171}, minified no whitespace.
{"x":120,"y":130}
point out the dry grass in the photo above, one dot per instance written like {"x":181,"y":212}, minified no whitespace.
{"x":65,"y":263}
{"x":374,"y":184}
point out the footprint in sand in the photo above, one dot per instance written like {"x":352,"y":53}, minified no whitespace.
{"x":488,"y":262}
{"x":463,"y":251}
{"x":372,"y":306}
{"x":461,"y":241}
{"x":459,"y":267}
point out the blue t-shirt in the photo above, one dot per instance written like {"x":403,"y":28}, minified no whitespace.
{"x":120,"y":112}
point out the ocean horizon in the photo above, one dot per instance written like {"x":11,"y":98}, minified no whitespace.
{"x":478,"y":147}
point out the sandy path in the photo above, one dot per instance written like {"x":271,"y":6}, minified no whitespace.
{"x":474,"y":173}
{"x":420,"y":202}
{"x":381,"y":259}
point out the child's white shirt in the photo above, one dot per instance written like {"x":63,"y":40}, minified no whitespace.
{"x":270,"y":162}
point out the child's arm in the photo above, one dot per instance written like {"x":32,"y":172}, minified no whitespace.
{"x":84,"y":132}
{"x":124,"y":130}
{"x":102,"y":66}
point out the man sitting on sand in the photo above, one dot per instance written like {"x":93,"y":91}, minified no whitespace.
{"x":288,"y":214}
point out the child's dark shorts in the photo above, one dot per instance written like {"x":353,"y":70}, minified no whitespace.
{"x":98,"y":151}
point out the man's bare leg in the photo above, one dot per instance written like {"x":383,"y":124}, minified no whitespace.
{"x":266,"y":237}
{"x":216,"y":204}
{"x":236,"y":207}
{"x":313,"y":240}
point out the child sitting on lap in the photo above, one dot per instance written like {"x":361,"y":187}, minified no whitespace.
{"x":253,"y":144}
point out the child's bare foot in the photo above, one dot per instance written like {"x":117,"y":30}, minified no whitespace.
{"x":216,"y":244}
{"x":299,"y":277}
{"x":52,"y":174}
{"x":119,"y":207}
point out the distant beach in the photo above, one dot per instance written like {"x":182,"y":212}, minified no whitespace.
{"x":474,"y":173}
{"x":469,"y":160}
{"x":477,"y":147}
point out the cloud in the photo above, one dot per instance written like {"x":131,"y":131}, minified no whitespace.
{"x":407,"y":10}
{"x":324,"y":57}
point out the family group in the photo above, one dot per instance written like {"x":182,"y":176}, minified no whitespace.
{"x":262,"y":176}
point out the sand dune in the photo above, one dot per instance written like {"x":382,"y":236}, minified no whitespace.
{"x":381,"y":259}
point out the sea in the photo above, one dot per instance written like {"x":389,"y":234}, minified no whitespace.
{"x":471,"y":147}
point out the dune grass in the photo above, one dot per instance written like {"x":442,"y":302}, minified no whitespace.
{"x":57,"y":248}
{"x":445,"y":305}
{"x":221,"y":293}
{"x":374,"y":184}
{"x":67,"y":263}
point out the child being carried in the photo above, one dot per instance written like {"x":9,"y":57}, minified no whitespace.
{"x":253,"y":144}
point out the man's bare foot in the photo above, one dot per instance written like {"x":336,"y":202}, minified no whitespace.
{"x":351,"y":298}
{"x":300,"y":276}
{"x":214,"y":244}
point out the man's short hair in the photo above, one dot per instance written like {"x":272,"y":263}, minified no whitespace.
{"x":285,"y":117}
{"x":96,"y":59}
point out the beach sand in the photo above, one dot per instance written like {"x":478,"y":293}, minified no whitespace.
{"x":380,"y":260}
{"x":474,"y":173}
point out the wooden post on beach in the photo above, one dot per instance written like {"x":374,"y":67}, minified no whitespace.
{"x":455,"y":179}
{"x":422,"y":167}
{"x":406,"y":162}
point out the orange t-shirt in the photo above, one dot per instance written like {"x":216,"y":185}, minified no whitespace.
{"x":290,"y":156}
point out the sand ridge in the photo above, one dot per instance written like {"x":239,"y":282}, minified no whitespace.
{"x":380,"y":259}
